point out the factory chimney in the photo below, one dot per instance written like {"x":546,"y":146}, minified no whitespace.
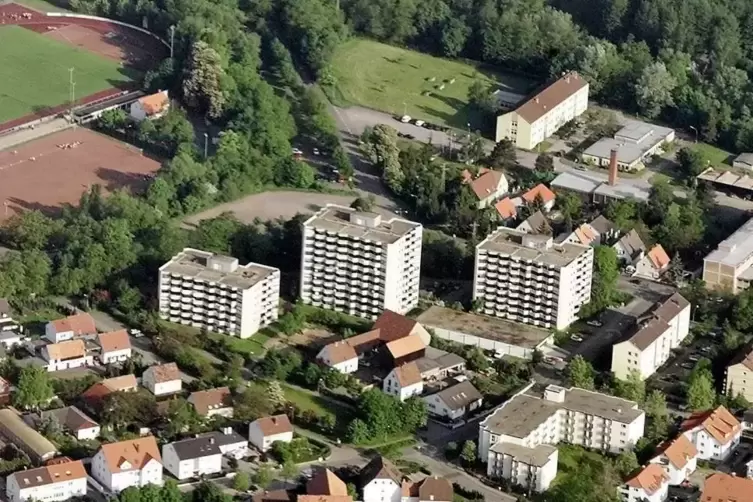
{"x":613,"y":167}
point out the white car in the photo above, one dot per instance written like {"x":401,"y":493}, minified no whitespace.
{"x":316,"y":151}
{"x":405,"y":119}
{"x":598,"y":324}
{"x":576,"y":338}
{"x":420,"y":123}
{"x":136,"y":333}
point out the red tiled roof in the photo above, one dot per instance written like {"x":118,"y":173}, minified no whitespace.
{"x":541,"y":191}
{"x":659,"y":258}
{"x":548,"y":99}
{"x":649,"y":479}
{"x":506,"y":208}
{"x":80,"y":324}
{"x":722,"y":487}
{"x":719,"y":424}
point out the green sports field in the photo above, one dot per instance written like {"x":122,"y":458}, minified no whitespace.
{"x":398,"y":81}
{"x":34,"y":72}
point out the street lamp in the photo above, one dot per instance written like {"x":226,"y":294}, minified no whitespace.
{"x":206,"y":145}
{"x":696,"y":134}
{"x":172,"y":40}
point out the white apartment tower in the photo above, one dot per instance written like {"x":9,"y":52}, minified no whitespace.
{"x":360,"y":264}
{"x":207,"y":290}
{"x":528,"y":278}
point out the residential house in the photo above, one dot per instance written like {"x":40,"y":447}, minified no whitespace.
{"x":324,"y":482}
{"x":136,"y":462}
{"x":10,"y":339}
{"x":537,"y":223}
{"x":54,"y":482}
{"x":98,"y":391}
{"x":743,"y":161}
{"x":598,"y":232}
{"x":406,"y":349}
{"x":275,"y":496}
{"x":655,"y":336}
{"x":15,"y":431}
{"x":431,"y":489}
{"x":263,"y":432}
{"x":650,"y":484}
{"x":653,"y":264}
{"x":73,"y":421}
{"x":7,"y":323}
{"x":404,"y":381}
{"x":192,"y":458}
{"x":540,"y":194}
{"x":738,"y":378}
{"x":340,"y":356}
{"x":678,"y":457}
{"x":506,"y":209}
{"x":231,"y":444}
{"x":530,"y":467}
{"x":380,"y":481}
{"x":629,"y":248}
{"x":162,"y":379}
{"x":115,"y":346}
{"x":714,"y":433}
{"x":488,"y":186}
{"x":209,"y":403}
{"x":66,"y":355}
{"x":70,"y":327}
{"x":454,"y":401}
{"x":150,"y":107}
{"x":723,"y":487}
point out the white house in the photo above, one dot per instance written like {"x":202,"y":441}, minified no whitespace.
{"x":629,"y":248}
{"x":70,"y":327}
{"x":652,"y":264}
{"x":150,"y":107}
{"x":136,"y":462}
{"x":715,"y":434}
{"x":455,"y":401}
{"x":162,"y":379}
{"x":431,"y":489}
{"x":212,"y":402}
{"x":115,"y":345}
{"x":540,"y":194}
{"x":66,"y":355}
{"x":191,"y":458}
{"x":488,"y":185}
{"x":263,"y":432}
{"x":9,"y":339}
{"x":60,"y":480}
{"x":650,"y":484}
{"x":404,"y":381}
{"x":231,"y":444}
{"x":380,"y":481}
{"x":678,"y":457}
{"x":339,"y":355}
{"x":655,"y":336}
{"x":597,"y":232}
{"x":73,"y":421}
{"x":533,"y":468}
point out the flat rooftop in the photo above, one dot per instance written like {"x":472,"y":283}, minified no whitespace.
{"x":338,"y":219}
{"x":624,"y":190}
{"x":736,"y":249}
{"x":537,"y":456}
{"x":490,"y":328}
{"x":510,"y":242}
{"x":631,"y":142}
{"x":581,"y":182}
{"x":522,"y":414}
{"x":195,"y":264}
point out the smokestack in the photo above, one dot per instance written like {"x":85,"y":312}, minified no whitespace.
{"x":613,"y":167}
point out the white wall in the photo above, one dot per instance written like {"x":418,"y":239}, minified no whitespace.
{"x":55,"y":365}
{"x":676,"y":476}
{"x":46,"y":493}
{"x":262,"y":443}
{"x":90,"y":433}
{"x":708,"y":447}
{"x":115,"y":356}
{"x":519,"y":473}
{"x":54,"y":336}
{"x":381,"y":490}
{"x":192,"y":468}
{"x":631,"y":494}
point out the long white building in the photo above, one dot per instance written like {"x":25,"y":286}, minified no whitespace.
{"x":57,"y":481}
{"x":207,"y":290}
{"x":530,"y":279}
{"x":359,"y":263}
{"x":511,"y":438}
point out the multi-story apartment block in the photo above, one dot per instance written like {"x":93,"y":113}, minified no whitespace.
{"x":530,"y":420}
{"x":655,"y":336}
{"x":714,"y":433}
{"x":541,"y":116}
{"x":530,"y":279}
{"x":738,"y":379}
{"x":729,"y":266}
{"x":358,"y":263}
{"x":211,"y":291}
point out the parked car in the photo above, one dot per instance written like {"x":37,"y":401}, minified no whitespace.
{"x":136,"y":333}
{"x":405,"y":119}
{"x":420,"y":123}
{"x":576,"y":338}
{"x":595,"y":323}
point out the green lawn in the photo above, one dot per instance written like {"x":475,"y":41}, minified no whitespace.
{"x":34,"y":72}
{"x":252,"y":345}
{"x":715,"y":156}
{"x":306,"y":400}
{"x":396,"y":80}
{"x":42,"y":5}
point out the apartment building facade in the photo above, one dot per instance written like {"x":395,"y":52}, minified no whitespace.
{"x":738,"y":378}
{"x":55,"y":482}
{"x":206,"y":290}
{"x":530,"y":279}
{"x":541,"y":116}
{"x":730,"y":266}
{"x":359,"y":263}
{"x":656,"y":335}
{"x":575,"y":416}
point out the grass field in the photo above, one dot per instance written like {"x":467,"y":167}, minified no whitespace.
{"x":42,"y":5}
{"x":716,"y":156}
{"x":397,"y":80}
{"x":34,"y":72}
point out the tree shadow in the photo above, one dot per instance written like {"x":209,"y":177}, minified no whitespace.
{"x":18,"y":205}
{"x":114,"y":179}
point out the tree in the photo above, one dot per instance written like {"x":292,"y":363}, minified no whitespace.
{"x":181,"y":417}
{"x":653,"y":90}
{"x":626,"y":463}
{"x":692,"y":162}
{"x":380,"y":146}
{"x":207,"y":491}
{"x":604,"y":282}
{"x":580,"y":373}
{"x":294,"y":173}
{"x":571,"y":207}
{"x":632,"y":388}
{"x":544,"y":163}
{"x":253,"y":403}
{"x":480,"y":95}
{"x":263,"y":476}
{"x":364,"y":203}
{"x":29,"y":230}
{"x":241,"y":481}
{"x":289,"y":471}
{"x":701,"y":394}
{"x":34,"y":388}
{"x":503,"y":156}
{"x":623,"y":213}
{"x":275,"y":394}
{"x":468,"y":453}
{"x":202,"y":86}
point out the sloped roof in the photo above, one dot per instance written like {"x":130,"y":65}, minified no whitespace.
{"x":68,"y":349}
{"x":70,"y":417}
{"x":325,"y":482}
{"x":207,"y":400}
{"x":506,"y":208}
{"x":719,"y":424}
{"x":80,"y":324}
{"x":130,"y":455}
{"x":549,"y":98}
{"x":539,"y":190}
{"x":602,"y":225}
{"x":659,"y":258}
{"x":632,"y":244}
{"x":155,"y":103}
{"x":408,"y":374}
{"x":193,"y":448}
{"x":110,"y":385}
{"x":392,"y":325}
{"x":114,"y":340}
{"x":436,"y":489}
{"x":585,"y":234}
{"x":650,"y":479}
{"x":271,"y":426}
{"x":536,"y":221}
{"x":62,"y":472}
{"x":678,"y":451}
{"x":486,"y":183}
{"x":164,"y":372}
{"x":404,"y":346}
{"x":722,"y":487}
{"x":379,"y":468}
{"x":340,"y":351}
{"x":459,"y":395}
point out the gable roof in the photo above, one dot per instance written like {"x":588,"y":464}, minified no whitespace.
{"x":325,"y":498}
{"x":506,"y":208}
{"x":539,"y":190}
{"x":405,"y":346}
{"x":585,"y":234}
{"x":658,"y":257}
{"x":407,"y":374}
{"x":62,"y":472}
{"x":80,"y":324}
{"x":130,"y":455}
{"x":271,"y":426}
{"x":722,"y":487}
{"x":632,"y":244}
{"x":155,"y":103}
{"x":648,"y":333}
{"x":162,"y":373}
{"x":114,"y":340}
{"x":274,"y":496}
{"x":650,"y":479}
{"x":459,"y":395}
{"x":325,"y":482}
{"x":379,"y":468}
{"x":70,"y":417}
{"x":193,"y":448}
{"x":435,"y":488}
{"x":719,"y":424}
{"x":340,"y":351}
{"x":658,"y":321}
{"x":678,"y":451}
{"x":548,"y":99}
{"x":602,"y":224}
{"x":393,"y":326}
{"x":110,"y":385}
{"x":68,"y":349}
{"x":486,"y":182}
{"x":537,"y":221}
{"x":212,"y":399}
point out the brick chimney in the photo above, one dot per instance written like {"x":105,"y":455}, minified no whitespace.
{"x":613,"y":167}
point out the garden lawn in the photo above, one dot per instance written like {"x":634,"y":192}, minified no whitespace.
{"x":320,"y":406}
{"x":41,"y":5}
{"x":34,"y":72}
{"x":252,"y":345}
{"x":716,"y":156}
{"x":395,"y":80}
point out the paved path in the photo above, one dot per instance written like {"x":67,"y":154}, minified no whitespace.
{"x":25,"y":135}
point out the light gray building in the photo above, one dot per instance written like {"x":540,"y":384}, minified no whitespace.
{"x":633,"y":143}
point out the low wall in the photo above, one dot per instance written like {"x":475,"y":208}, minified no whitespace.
{"x":106,"y":20}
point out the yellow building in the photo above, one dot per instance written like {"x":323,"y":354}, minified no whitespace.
{"x":738,"y":378}
{"x":730,"y":266}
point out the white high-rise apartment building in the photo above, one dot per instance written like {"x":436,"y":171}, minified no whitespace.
{"x":207,"y":290}
{"x":528,"y":278}
{"x":360,"y":264}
